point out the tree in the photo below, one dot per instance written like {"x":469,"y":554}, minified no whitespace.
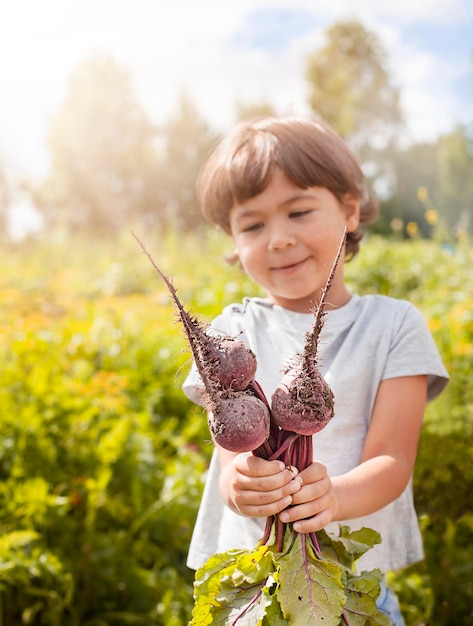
{"x":185,"y":141}
{"x":433,"y":185}
{"x":454,"y":195}
{"x":102,"y":153}
{"x":248,"y":111}
{"x":414,"y":170}
{"x":351,"y":89}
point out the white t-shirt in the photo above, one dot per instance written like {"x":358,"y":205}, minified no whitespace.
{"x":369,"y":339}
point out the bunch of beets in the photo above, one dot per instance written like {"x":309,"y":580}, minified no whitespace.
{"x":241,"y":419}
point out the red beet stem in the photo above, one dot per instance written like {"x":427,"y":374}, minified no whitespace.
{"x":222,"y":363}
{"x":191,"y":326}
{"x":312,"y":338}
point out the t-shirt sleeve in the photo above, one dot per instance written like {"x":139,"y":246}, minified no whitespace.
{"x":413,"y":351}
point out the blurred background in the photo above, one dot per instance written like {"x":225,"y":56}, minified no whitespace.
{"x":107,"y":110}
{"x":108,"y":107}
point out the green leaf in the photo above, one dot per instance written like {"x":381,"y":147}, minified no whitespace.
{"x":348,"y":546}
{"x":232,"y":586}
{"x":311,"y":590}
{"x":253,"y":567}
{"x":274,"y":616}
{"x":362,"y":592}
{"x":207,"y":586}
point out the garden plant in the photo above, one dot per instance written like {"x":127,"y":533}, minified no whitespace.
{"x":102,"y":457}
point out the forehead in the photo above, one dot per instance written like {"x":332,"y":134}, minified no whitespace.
{"x":280,"y":192}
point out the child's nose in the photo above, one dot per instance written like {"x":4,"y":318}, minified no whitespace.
{"x":280,"y":238}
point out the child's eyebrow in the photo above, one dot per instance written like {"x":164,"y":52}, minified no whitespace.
{"x":241,"y":213}
{"x":303,"y":195}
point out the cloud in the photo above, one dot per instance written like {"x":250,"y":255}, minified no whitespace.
{"x":273,"y":29}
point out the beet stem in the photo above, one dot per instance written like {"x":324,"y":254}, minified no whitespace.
{"x":264,"y":451}
{"x":306,"y":567}
{"x":315,"y":543}
{"x":270,"y":520}
{"x":190,"y":326}
{"x":280,"y":530}
{"x":312,"y":338}
{"x":283,"y":447}
{"x":248,"y":606}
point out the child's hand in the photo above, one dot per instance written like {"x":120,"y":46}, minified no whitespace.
{"x":315,"y":504}
{"x":255,"y":487}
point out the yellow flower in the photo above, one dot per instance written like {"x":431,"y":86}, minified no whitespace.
{"x":397,"y":224}
{"x":434,"y":325}
{"x":412,"y":229}
{"x":422,"y":194}
{"x":431,"y":216}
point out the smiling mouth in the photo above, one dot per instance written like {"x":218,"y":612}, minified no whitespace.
{"x":291,"y":267}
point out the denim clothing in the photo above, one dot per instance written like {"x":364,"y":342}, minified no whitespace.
{"x":388,"y":603}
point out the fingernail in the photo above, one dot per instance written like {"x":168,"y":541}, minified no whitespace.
{"x":287,"y":501}
{"x":284,"y":517}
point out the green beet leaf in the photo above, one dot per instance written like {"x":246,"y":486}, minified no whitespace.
{"x":298,"y":586}
{"x":274,"y":616}
{"x":231,"y":588}
{"x":253,"y":567}
{"x":362,"y":591}
{"x":311,"y":590}
{"x":348,"y":545}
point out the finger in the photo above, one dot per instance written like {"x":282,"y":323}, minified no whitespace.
{"x":314,"y":472}
{"x":261,"y":509}
{"x":313,"y":524}
{"x":255,"y":466}
{"x":268,"y":488}
{"x":312,"y":491}
{"x":259,"y":492}
{"x":309,"y":516}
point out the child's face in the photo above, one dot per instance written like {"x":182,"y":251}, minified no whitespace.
{"x":287,"y":239}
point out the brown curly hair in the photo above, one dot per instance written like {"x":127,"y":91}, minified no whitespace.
{"x":308,"y":151}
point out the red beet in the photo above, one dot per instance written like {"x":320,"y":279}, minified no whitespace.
{"x":239,"y":422}
{"x":222,"y":362}
{"x":303,"y":401}
{"x":233,"y":363}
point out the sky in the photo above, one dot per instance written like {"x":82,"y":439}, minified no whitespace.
{"x":219,"y":52}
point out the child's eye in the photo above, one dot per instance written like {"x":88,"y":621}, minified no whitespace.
{"x":252,"y":227}
{"x":300,"y":213}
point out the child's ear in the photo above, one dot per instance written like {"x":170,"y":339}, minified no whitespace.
{"x":351,"y":206}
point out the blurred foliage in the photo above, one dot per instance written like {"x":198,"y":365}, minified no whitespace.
{"x":350,"y":86}
{"x":435,"y":277}
{"x":454,"y":167}
{"x":102,"y":458}
{"x":432,"y":188}
{"x":102,"y":155}
{"x":111,"y":167}
{"x":184,"y":141}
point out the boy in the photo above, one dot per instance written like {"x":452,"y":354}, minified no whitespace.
{"x":285,"y":190}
